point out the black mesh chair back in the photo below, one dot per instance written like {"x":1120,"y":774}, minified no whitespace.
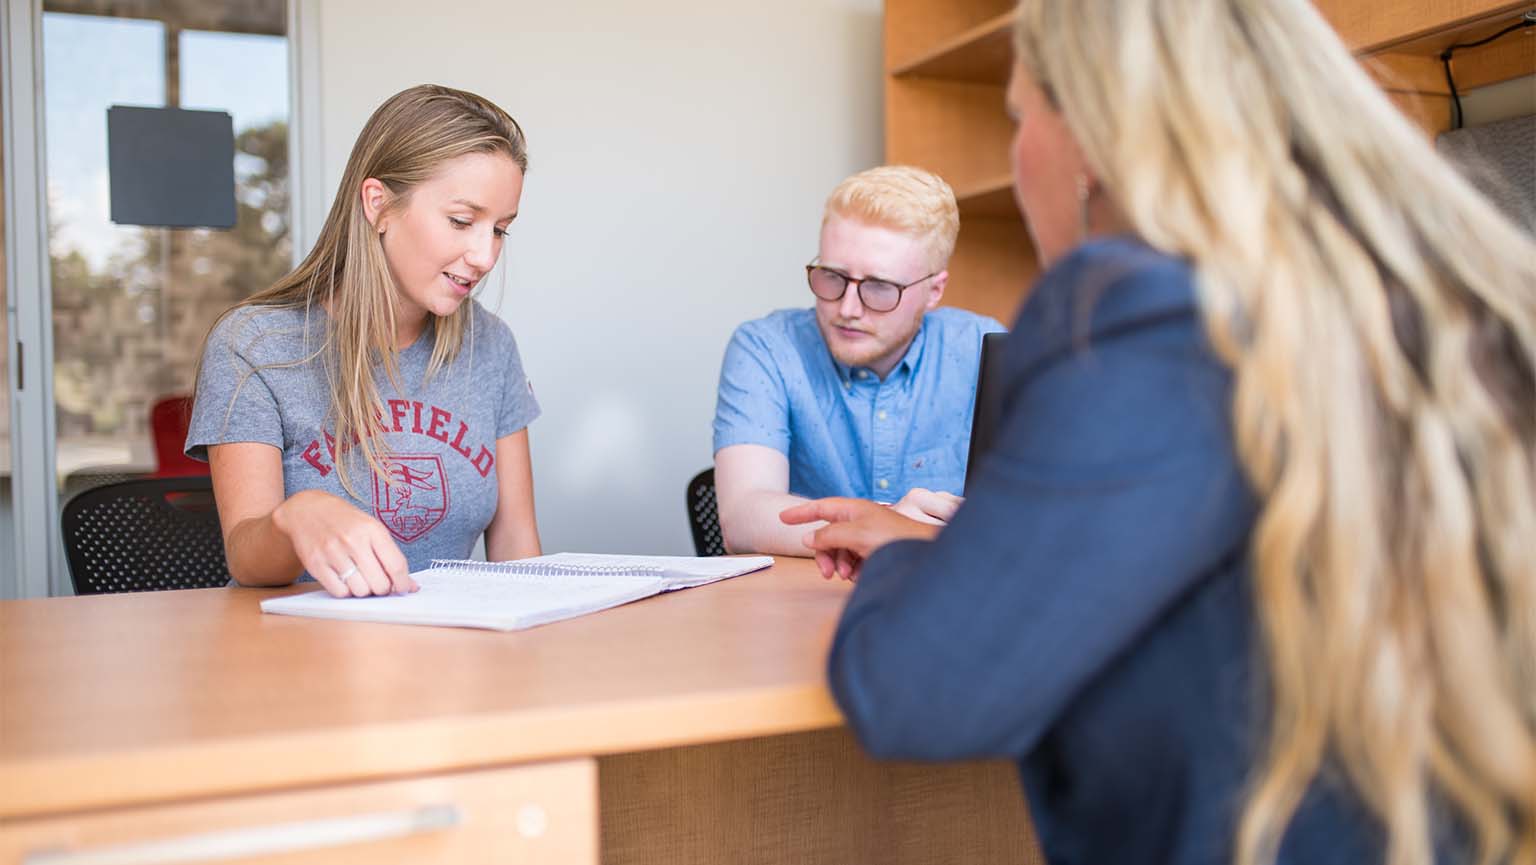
{"x":144,"y":535}
{"x":704,"y":515}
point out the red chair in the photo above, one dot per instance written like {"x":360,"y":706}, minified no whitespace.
{"x":168,"y":419}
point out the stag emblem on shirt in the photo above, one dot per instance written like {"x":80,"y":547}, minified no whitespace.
{"x":414,"y":498}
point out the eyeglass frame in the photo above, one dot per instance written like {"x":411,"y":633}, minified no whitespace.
{"x":858,"y":285}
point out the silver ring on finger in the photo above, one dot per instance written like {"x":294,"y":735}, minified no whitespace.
{"x":347,"y":574}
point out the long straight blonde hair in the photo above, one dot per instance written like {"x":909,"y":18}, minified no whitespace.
{"x":405,"y":142}
{"x":1380,"y":319}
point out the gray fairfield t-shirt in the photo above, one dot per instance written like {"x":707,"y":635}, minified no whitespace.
{"x":441,"y":434}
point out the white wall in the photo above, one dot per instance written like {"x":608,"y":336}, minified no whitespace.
{"x":1514,"y":98}
{"x":680,"y":151}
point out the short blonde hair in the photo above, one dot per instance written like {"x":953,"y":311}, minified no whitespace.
{"x":902,"y":198}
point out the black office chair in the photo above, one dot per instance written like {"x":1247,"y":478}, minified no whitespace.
{"x":145,"y":535}
{"x":704,"y":515}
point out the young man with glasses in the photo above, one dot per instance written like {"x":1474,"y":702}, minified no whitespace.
{"x":869,"y":393}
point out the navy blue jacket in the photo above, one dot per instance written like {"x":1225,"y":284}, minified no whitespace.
{"x":1087,"y":612}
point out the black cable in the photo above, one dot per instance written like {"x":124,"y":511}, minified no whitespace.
{"x":1450,"y":82}
{"x":1445,"y":58}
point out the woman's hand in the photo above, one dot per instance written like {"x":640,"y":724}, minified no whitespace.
{"x":927,"y":506}
{"x":347,"y":551}
{"x":855,"y":529}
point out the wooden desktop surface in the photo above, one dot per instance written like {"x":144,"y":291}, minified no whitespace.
{"x":122,"y":699}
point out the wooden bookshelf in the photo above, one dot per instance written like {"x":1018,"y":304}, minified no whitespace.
{"x":947,"y":64}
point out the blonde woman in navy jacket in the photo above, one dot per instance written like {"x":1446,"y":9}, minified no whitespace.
{"x":1249,"y":575}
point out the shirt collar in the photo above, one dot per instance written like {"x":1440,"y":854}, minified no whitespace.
{"x":914,"y":355}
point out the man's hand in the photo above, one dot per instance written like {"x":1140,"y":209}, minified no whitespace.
{"x":855,"y":529}
{"x":927,"y":506}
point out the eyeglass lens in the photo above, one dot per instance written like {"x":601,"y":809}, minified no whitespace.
{"x":876,"y":295}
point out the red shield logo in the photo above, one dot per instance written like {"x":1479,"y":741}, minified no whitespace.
{"x":414,"y":498}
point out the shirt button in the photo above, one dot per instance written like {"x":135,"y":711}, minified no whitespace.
{"x":880,"y":415}
{"x":885,"y":484}
{"x":863,"y":374}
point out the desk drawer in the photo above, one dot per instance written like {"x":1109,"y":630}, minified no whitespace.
{"x":544,"y":813}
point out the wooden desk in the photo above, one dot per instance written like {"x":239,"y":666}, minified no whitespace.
{"x":690,"y":727}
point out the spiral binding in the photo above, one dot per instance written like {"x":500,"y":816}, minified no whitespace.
{"x":544,"y":569}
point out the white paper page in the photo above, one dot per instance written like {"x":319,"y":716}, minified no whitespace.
{"x":475,"y":600}
{"x":680,"y":572}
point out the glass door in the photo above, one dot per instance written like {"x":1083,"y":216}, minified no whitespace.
{"x":24,"y":539}
{"x":8,"y":563}
{"x":107,"y":309}
{"x":131,"y":302}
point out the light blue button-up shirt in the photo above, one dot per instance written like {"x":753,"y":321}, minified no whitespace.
{"x":846,"y":432}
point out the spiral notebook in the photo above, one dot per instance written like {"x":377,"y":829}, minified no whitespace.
{"x":510,"y":596}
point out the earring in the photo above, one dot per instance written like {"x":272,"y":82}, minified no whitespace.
{"x":1084,"y":190}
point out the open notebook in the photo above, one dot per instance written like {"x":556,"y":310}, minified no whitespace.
{"x":507,"y":596}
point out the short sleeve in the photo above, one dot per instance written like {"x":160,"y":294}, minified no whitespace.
{"x":234,"y":402}
{"x":752,"y":404}
{"x":519,"y":407}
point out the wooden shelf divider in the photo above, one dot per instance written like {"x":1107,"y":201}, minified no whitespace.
{"x":959,"y":129}
{"x":1417,"y":26}
{"x":1414,"y":66}
{"x":990,"y":199}
{"x":983,"y":54}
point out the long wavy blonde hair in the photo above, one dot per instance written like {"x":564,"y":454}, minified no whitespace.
{"x":404,"y":142}
{"x":1380,"y":319}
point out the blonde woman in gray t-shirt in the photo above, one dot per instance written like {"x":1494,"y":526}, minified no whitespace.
{"x":364,"y":415}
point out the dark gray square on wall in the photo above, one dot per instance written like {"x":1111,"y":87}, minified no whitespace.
{"x":171,"y":167}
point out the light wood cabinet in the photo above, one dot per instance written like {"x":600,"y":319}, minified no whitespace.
{"x":946,"y":70}
{"x":543,"y":813}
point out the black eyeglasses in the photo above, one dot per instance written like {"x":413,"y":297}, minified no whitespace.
{"x":877,"y":295}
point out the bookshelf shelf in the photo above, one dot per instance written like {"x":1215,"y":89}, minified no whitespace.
{"x":947,"y":64}
{"x":982,"y":55}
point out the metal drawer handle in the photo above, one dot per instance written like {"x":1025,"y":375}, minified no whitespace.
{"x":262,"y":840}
